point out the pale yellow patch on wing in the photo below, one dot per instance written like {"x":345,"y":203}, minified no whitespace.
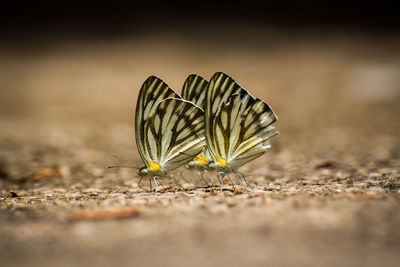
{"x":202,"y":159}
{"x":154,"y":166}
{"x":221,"y":161}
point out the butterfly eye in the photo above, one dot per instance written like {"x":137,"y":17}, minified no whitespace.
{"x":143,"y":171}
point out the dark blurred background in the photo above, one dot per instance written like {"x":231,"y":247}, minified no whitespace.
{"x":24,"y":20}
{"x":78,"y":63}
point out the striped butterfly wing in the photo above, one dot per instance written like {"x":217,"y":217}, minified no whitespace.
{"x":152,"y":92}
{"x":242,"y":128}
{"x":195,"y":89}
{"x":220,"y":88}
{"x":174,"y":132}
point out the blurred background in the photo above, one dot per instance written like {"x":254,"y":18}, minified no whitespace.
{"x":74,"y":69}
{"x":70,"y":73}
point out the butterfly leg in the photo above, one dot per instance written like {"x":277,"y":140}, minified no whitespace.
{"x":184,"y":178}
{"x":140,"y":180}
{"x":202,"y":178}
{"x":213,"y":182}
{"x":155,"y":182}
{"x":233,"y":185}
{"x":159,"y":181}
{"x":176,"y":181}
{"x":151,"y":186}
{"x":242,"y":178}
{"x":221,"y":176}
{"x":162,"y":185}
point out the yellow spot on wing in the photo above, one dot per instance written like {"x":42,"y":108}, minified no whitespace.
{"x":202,"y":159}
{"x":221,"y":161}
{"x":154,"y":166}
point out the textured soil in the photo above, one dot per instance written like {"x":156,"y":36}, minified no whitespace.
{"x":327,"y":194}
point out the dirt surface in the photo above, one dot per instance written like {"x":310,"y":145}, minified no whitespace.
{"x":327,"y":194}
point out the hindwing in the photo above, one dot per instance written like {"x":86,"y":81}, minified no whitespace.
{"x":174,"y":132}
{"x":242,"y":128}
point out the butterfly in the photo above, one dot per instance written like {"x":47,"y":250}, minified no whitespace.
{"x":237,"y":125}
{"x":194,"y":90}
{"x":168,"y":129}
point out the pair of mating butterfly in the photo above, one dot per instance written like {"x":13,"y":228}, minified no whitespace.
{"x":215,"y":125}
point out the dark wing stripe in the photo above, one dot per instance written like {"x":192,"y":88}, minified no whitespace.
{"x":195,"y":89}
{"x":259,"y":117}
{"x":152,"y":144}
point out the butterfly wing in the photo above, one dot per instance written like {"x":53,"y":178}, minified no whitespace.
{"x":195,"y":89}
{"x":220,"y":88}
{"x":241,"y":128}
{"x":152,"y":92}
{"x":174,"y":132}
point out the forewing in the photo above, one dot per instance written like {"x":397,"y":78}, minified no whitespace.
{"x":220,"y":88}
{"x":195,"y":89}
{"x":152,"y":92}
{"x":174,"y":133}
{"x":242,"y":128}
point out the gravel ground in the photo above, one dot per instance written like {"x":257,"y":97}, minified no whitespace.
{"x":328,"y":193}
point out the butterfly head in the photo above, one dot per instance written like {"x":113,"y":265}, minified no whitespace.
{"x":144,"y":171}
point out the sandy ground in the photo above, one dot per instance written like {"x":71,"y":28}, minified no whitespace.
{"x":327,"y":194}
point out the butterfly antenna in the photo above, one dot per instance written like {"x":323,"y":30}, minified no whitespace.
{"x":122,"y":166}
{"x":243,"y":178}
